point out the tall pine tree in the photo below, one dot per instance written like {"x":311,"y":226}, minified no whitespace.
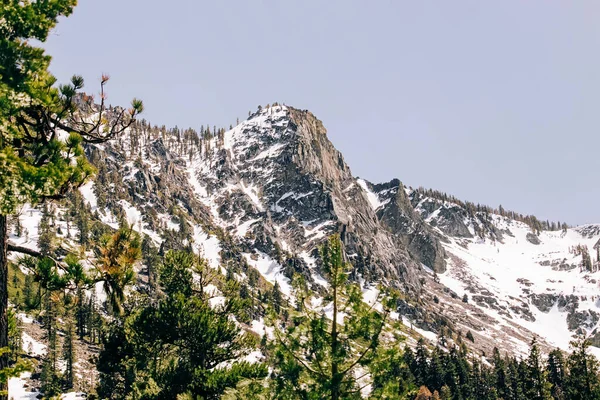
{"x":324,"y":356}
{"x":36,"y":160}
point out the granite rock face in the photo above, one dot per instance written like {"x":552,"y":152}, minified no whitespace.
{"x":399,"y":216}
{"x":280,"y":169}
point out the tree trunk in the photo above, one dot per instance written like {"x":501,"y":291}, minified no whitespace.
{"x":335,"y":381}
{"x":334,"y":366}
{"x":3,"y":298}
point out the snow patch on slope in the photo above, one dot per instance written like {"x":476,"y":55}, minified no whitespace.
{"x":208,"y":246}
{"x":372,"y":197}
{"x":516,"y":269}
{"x":270,"y":270}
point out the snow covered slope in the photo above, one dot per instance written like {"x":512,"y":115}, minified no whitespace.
{"x":542,"y":287}
{"x":517,"y":280}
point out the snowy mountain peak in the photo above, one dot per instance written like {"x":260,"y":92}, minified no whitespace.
{"x":277,"y":177}
{"x":265,"y":194}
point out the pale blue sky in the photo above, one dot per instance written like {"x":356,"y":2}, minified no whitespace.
{"x":494,"y":102}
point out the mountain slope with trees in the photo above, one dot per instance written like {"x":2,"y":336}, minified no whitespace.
{"x":143,"y":262}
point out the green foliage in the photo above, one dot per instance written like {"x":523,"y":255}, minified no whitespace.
{"x":37,"y":162}
{"x":42,"y":130}
{"x":69,"y":352}
{"x":457,"y":375}
{"x":16,"y":369}
{"x":391,"y":375}
{"x":314,"y":357}
{"x":115,"y":258}
{"x":144,"y":354}
{"x":537,"y":386}
{"x":582,"y":381}
{"x":556,"y":370}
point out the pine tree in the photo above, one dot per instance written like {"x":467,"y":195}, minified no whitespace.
{"x":435,"y":379}
{"x":116,"y":256}
{"x":36,"y":162}
{"x":15,"y":332}
{"x":276,"y":298}
{"x":536,"y":385}
{"x":93,"y":318}
{"x":75,"y":273}
{"x":515,"y":379}
{"x":319,"y":355}
{"x":82,"y":219}
{"x":582,"y":382}
{"x":150,"y":259}
{"x":201,"y":358}
{"x":391,"y":376}
{"x":29,"y":299}
{"x":49,"y":377}
{"x":46,"y":236}
{"x":500,"y":378}
{"x":69,"y":352}
{"x":421,"y":364}
{"x":555,"y":366}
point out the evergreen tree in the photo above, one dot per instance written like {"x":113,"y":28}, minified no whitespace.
{"x":49,"y":377}
{"x":93,"y":318}
{"x":69,"y":353}
{"x":75,"y":273}
{"x":319,"y":357}
{"x":150,"y":259}
{"x":516,"y":377}
{"x":500,"y":378}
{"x":116,"y":256}
{"x":536,"y":385}
{"x":36,"y":162}
{"x":276,"y":298}
{"x":391,"y":376}
{"x":46,"y":236}
{"x":582,"y":382}
{"x":83,"y":226}
{"x":555,"y":366}
{"x":421,"y":364}
{"x":144,"y":357}
{"x":15,"y":332}
{"x":435,"y":379}
{"x":29,"y":299}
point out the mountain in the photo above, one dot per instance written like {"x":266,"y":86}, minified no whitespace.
{"x":265,"y":194}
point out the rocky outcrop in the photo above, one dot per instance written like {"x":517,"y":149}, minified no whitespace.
{"x":533,"y":239}
{"x":399,"y":216}
{"x":581,"y":321}
{"x":544,"y":301}
{"x":450,"y":220}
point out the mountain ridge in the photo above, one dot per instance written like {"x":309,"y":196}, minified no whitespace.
{"x":257,"y":201}
{"x":279,"y":186}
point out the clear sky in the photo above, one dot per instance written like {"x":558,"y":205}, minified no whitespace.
{"x":494,"y":102}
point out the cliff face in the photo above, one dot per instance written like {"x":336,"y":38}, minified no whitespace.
{"x":399,"y":216}
{"x":279,"y":173}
